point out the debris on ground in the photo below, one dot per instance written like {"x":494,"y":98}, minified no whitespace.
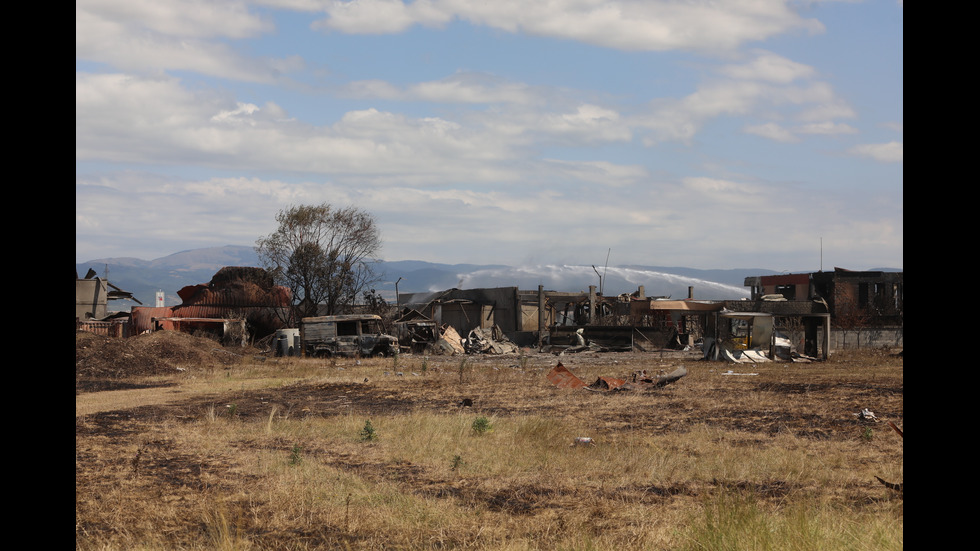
{"x":866,"y":415}
{"x":730,"y":372}
{"x":561,"y":377}
{"x":449,"y":342}
{"x":899,"y":486}
{"x":490,"y":340}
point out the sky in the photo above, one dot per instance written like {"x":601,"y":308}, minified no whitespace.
{"x":705,"y":134}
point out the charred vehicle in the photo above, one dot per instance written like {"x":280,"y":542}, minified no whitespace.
{"x":348,"y":335}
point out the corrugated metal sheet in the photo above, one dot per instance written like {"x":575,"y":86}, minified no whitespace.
{"x":236,"y":295}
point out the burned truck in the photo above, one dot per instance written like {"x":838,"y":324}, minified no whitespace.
{"x":347,"y":335}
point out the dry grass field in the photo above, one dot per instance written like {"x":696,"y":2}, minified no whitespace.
{"x":180,"y":444}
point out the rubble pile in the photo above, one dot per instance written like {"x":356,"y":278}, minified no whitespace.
{"x":157,"y":353}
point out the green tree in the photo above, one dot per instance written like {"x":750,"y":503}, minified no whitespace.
{"x":321,"y":253}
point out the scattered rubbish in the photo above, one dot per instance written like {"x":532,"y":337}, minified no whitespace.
{"x":730,"y":372}
{"x":603,"y":384}
{"x":867,"y":415}
{"x":583,"y":441}
{"x":743,"y":356}
{"x":490,"y":340}
{"x":449,"y":343}
{"x":561,"y":377}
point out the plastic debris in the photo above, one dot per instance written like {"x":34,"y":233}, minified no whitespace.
{"x":867,"y":415}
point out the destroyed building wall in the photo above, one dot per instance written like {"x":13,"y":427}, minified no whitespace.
{"x":91,"y":297}
{"x":875,"y":296}
{"x":466,"y":309}
{"x":789,"y":286}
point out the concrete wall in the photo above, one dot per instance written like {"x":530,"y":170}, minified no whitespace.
{"x":91,"y":296}
{"x":866,"y":338}
{"x":890,"y":337}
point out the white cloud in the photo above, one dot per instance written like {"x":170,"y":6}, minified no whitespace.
{"x":891,"y":152}
{"x":462,"y":87}
{"x":156,"y":120}
{"x":782,"y":134}
{"x":769,"y":67}
{"x":381,"y":16}
{"x":601,"y":172}
{"x":233,"y":116}
{"x":727,"y":194}
{"x":636,"y":25}
{"x":145,"y":37}
{"x":186,"y":18}
{"x":826,"y":128}
{"x":773,"y":132}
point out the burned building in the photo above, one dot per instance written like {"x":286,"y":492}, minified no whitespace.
{"x":875,"y":296}
{"x":92,"y":296}
{"x":237,"y":301}
{"x":562,"y":320}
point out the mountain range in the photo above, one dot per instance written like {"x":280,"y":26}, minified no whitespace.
{"x":144,"y":278}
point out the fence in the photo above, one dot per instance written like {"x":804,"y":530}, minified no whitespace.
{"x":104,"y":328}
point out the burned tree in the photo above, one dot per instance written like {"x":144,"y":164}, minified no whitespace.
{"x":321,"y":253}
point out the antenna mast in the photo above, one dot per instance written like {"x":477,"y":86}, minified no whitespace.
{"x":604,"y":269}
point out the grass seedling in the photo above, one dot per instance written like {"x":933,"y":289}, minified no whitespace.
{"x":867,"y":435}
{"x":456,"y":463}
{"x":368,"y":433}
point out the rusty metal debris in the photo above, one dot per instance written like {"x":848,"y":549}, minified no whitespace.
{"x":897,"y":486}
{"x":561,"y":377}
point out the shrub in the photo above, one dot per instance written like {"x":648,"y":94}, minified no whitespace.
{"x":482,"y":425}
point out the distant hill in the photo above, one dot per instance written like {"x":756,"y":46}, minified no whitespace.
{"x":144,"y":278}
